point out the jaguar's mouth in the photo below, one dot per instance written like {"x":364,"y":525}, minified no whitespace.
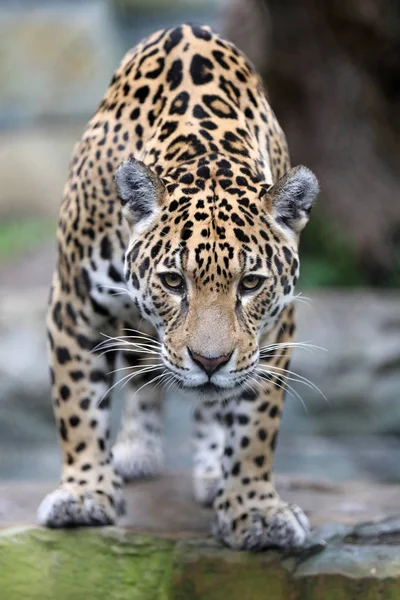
{"x":209,"y":388}
{"x":216,"y":385}
{"x":203,"y":388}
{"x":212,"y":392}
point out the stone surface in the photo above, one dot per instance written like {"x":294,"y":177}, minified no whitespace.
{"x":23,"y":369}
{"x":162,"y":548}
{"x":166,"y":506}
{"x":359,"y":372}
{"x":111,"y":563}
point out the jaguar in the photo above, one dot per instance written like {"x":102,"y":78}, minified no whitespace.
{"x":177,"y":258}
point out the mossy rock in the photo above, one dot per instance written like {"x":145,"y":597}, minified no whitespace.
{"x":117,"y":564}
{"x":83,"y":564}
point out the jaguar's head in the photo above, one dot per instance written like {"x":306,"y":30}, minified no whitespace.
{"x":212,"y":262}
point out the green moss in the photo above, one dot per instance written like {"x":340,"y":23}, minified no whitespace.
{"x":114,"y":564}
{"x":81,"y":564}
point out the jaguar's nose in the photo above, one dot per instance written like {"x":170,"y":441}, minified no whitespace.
{"x":209,"y":364}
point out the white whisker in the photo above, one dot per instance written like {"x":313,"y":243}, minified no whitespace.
{"x":125,"y":339}
{"x":296,"y":377}
{"x":131,"y":367}
{"x":118,"y":291}
{"x":302,"y":299}
{"x":124,"y":349}
{"x":286,"y":387}
{"x":128,"y":377}
{"x":121,"y":344}
{"x":148,"y":383}
{"x":246,"y":383}
{"x":303,"y":345}
{"x":171,"y":381}
{"x":144,"y":335}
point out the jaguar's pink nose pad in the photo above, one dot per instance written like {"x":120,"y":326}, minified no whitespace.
{"x":209,"y":364}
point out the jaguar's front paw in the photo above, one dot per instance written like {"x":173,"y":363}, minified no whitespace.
{"x":137,"y":458}
{"x":277,"y":525}
{"x":206,"y":481}
{"x":77,"y":503}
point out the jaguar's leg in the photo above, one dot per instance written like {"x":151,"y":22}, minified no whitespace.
{"x":208,"y":442}
{"x":90,"y":491}
{"x":138,"y":451}
{"x":249,"y":513}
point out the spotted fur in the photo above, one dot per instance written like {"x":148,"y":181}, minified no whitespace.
{"x":182,"y":170}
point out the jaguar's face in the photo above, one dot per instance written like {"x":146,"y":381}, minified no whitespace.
{"x":211,"y":270}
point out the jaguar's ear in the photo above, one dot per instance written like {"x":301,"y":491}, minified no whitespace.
{"x":293,"y":196}
{"x":140,"y":190}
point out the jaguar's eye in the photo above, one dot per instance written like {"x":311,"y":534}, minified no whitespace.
{"x":250,"y":283}
{"x":173,"y":281}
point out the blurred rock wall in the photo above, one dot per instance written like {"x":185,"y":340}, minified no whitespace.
{"x":56,"y":59}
